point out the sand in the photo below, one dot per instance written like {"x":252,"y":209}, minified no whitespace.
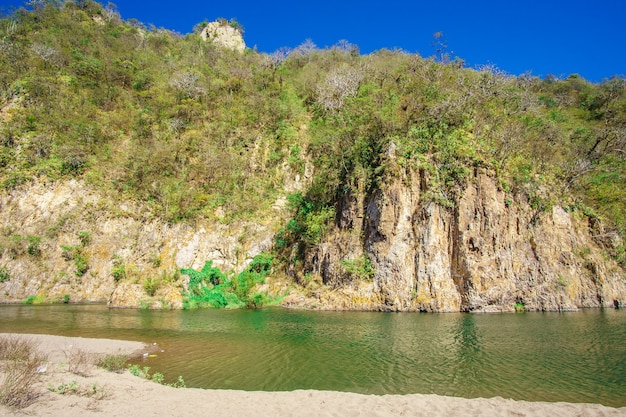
{"x":102,"y":393}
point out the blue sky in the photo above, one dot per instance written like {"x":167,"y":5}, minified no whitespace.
{"x":543,"y":37}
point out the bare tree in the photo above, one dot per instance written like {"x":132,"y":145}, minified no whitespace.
{"x":47,"y":54}
{"x":279,"y":56}
{"x":186,"y":82}
{"x":306,"y":48}
{"x":340,"y":84}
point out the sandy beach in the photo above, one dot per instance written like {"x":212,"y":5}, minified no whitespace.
{"x":103,"y":393}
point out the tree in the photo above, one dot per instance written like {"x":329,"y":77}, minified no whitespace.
{"x":340,"y":84}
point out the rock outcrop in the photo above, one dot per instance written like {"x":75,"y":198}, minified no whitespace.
{"x":490,"y":252}
{"x":127,"y":254}
{"x":223,"y":34}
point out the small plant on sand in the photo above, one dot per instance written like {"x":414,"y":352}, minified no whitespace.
{"x":65,"y":388}
{"x":94,"y":391}
{"x":78,"y":360}
{"x":157,"y":377}
{"x":113,"y":363}
{"x":20,"y":368}
{"x":139,"y":371}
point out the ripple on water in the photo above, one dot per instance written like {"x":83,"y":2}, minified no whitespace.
{"x":531,"y":356}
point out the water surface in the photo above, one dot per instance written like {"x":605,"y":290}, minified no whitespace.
{"x":576,"y":357}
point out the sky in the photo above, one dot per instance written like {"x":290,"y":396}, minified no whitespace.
{"x":540,"y":37}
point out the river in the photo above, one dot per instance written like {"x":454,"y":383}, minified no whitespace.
{"x":575,"y":357}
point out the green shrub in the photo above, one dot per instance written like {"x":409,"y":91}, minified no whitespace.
{"x":137,"y":370}
{"x":157,"y":377}
{"x":210,"y":287}
{"x":34,"y":299}
{"x":361,"y":268}
{"x":119,"y":269}
{"x":262,"y":263}
{"x":207,"y":275}
{"x":33,"y":246}
{"x":84,"y":238}
{"x":4,"y":274}
{"x":151,"y":285}
{"x":81,"y":264}
{"x":113,"y":363}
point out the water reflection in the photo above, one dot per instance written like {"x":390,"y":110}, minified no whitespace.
{"x":542,"y":356}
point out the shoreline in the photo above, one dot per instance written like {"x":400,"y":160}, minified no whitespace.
{"x":103,"y":393}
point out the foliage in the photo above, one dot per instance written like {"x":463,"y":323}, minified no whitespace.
{"x":193,"y":131}
{"x":4,"y":274}
{"x":210,"y":287}
{"x":157,"y":377}
{"x":33,"y":248}
{"x":309,"y":225}
{"x":34,"y":299}
{"x":94,"y":391}
{"x":207,"y":275}
{"x":77,"y":253}
{"x":151,"y":285}
{"x":119,"y":269}
{"x":360,"y":268}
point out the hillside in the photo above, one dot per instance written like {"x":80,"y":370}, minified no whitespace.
{"x":318,"y":178}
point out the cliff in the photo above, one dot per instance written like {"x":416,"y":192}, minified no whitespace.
{"x":68,"y":241}
{"x":491,"y":252}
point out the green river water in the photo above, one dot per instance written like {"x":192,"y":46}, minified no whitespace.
{"x":575,"y":357}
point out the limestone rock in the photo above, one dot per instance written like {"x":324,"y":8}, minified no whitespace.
{"x":120,"y":235}
{"x":488,"y":253}
{"x":224,"y":35}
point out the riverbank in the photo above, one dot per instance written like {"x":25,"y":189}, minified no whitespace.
{"x":102,"y":393}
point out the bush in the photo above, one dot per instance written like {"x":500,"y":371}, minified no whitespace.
{"x":210,"y":287}
{"x":151,"y":285}
{"x":33,"y":246}
{"x":21,"y":363}
{"x":78,"y":361}
{"x":81,"y":264}
{"x":157,"y":377}
{"x":119,"y":269}
{"x":4,"y":274}
{"x":361,"y":268}
{"x":113,"y":363}
{"x":34,"y":299}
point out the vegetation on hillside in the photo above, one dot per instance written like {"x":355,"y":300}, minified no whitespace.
{"x":195,"y":131}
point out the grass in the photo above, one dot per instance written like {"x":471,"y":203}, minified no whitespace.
{"x":20,"y":362}
{"x":113,"y":363}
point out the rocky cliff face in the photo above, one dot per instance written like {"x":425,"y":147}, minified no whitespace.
{"x":48,"y":230}
{"x":491,"y":252}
